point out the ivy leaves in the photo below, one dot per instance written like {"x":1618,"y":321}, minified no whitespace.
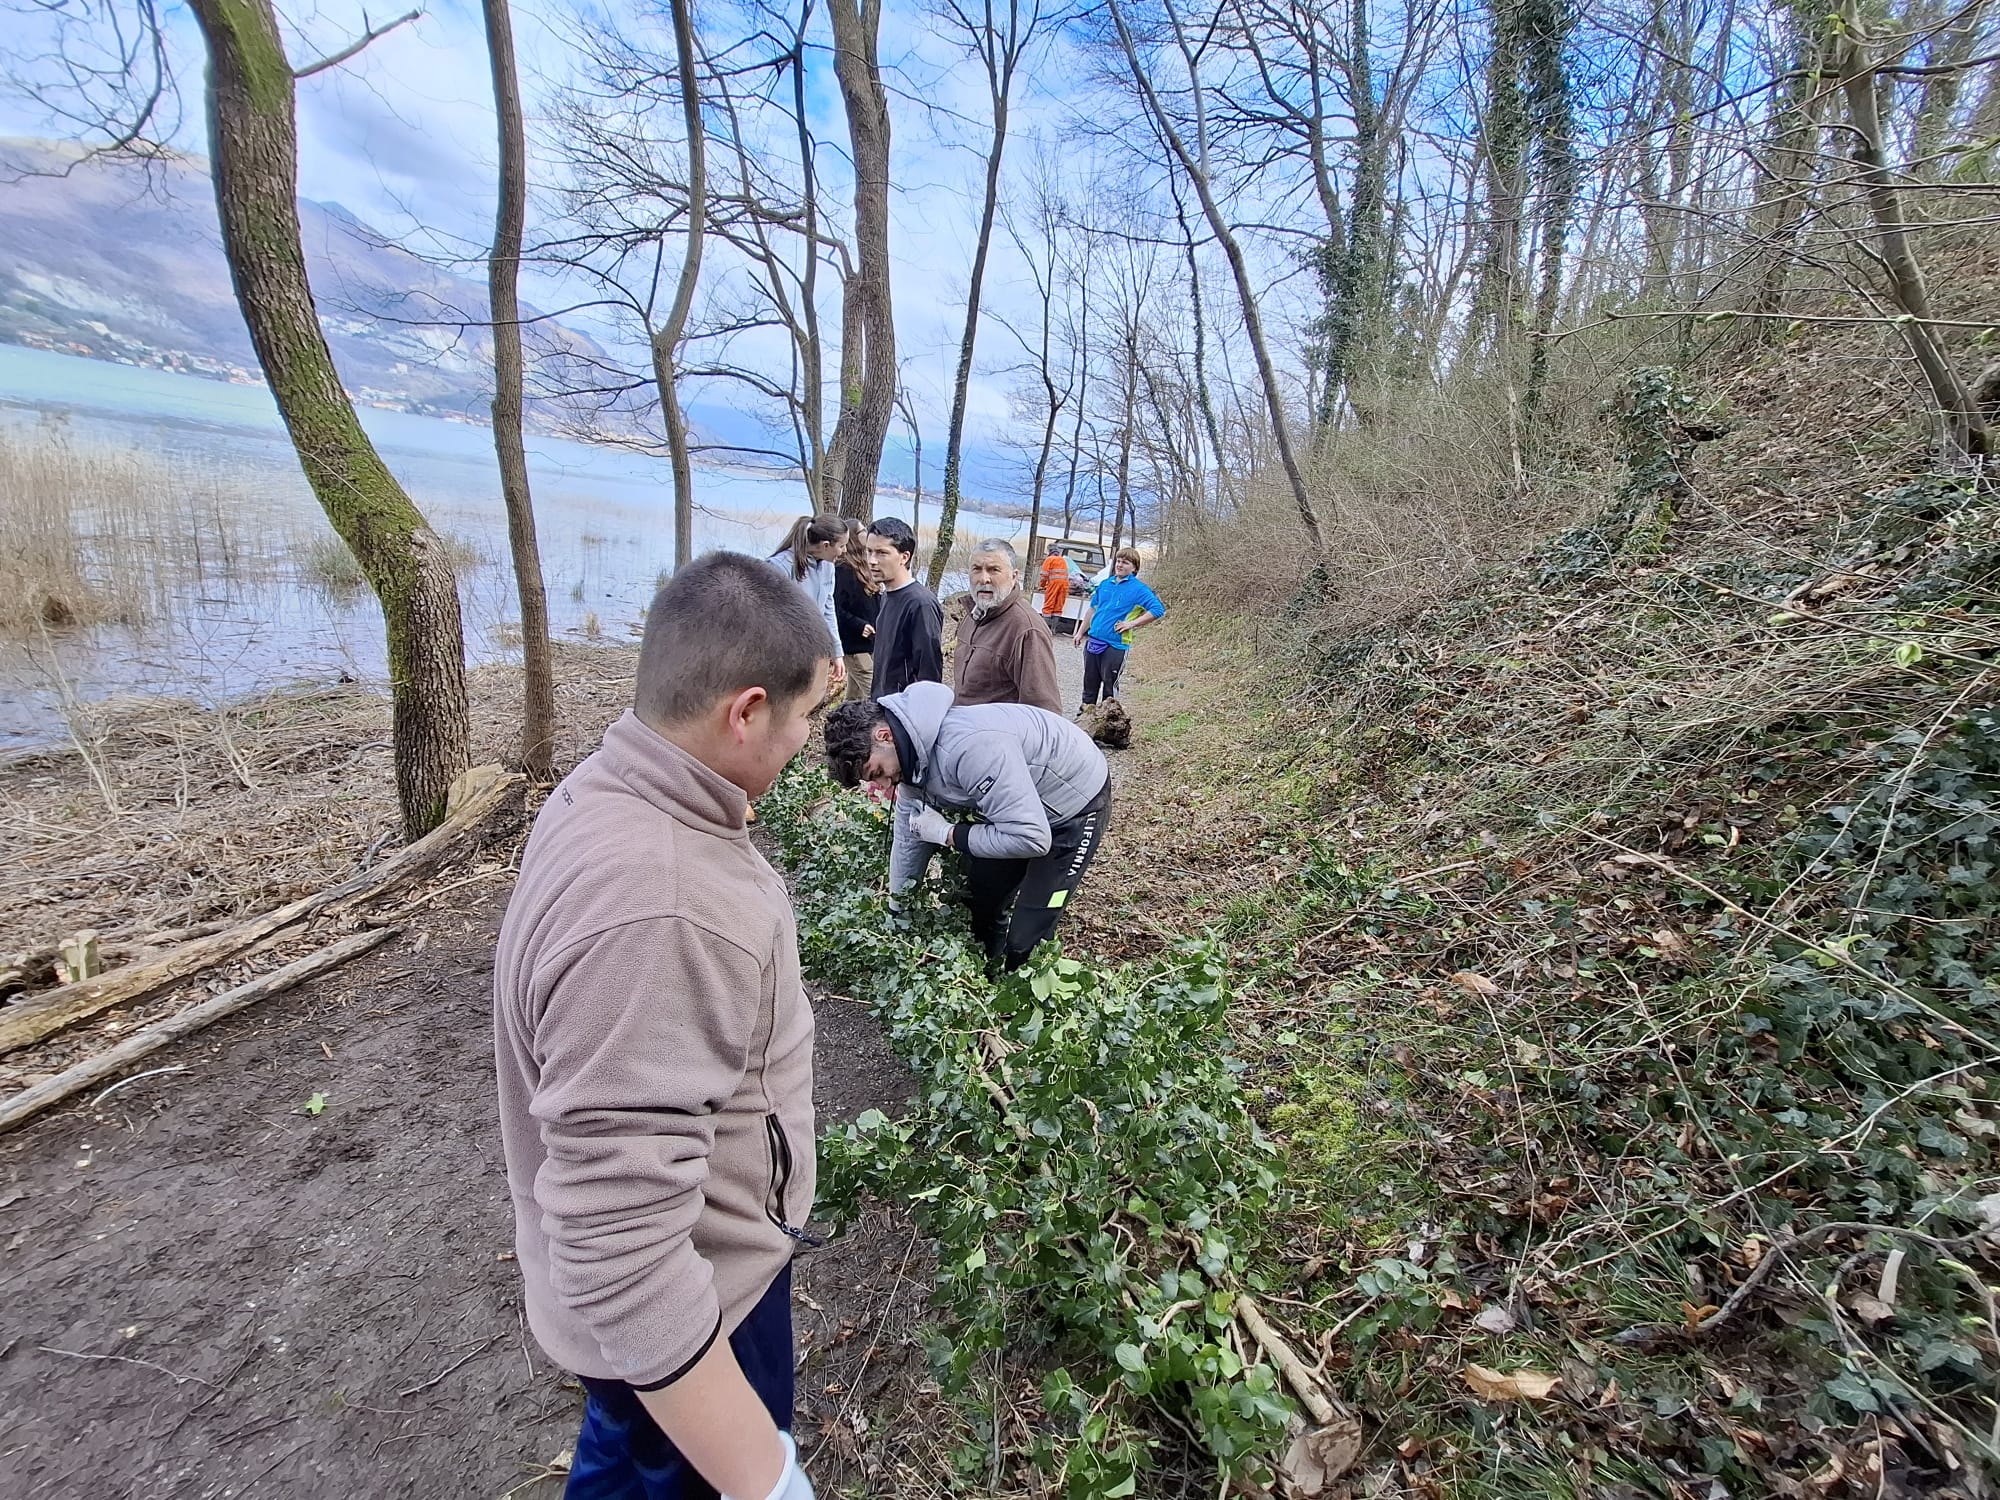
{"x":1080,"y":1153}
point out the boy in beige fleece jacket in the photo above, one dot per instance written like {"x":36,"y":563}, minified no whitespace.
{"x":654,"y":1050}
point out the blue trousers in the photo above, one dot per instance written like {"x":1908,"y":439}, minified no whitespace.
{"x":621,"y":1454}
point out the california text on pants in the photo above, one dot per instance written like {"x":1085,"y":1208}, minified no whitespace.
{"x":1040,"y":889}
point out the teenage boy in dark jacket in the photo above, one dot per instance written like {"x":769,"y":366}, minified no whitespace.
{"x":654,"y":1050}
{"x":1039,"y":789}
{"x":909,"y":625}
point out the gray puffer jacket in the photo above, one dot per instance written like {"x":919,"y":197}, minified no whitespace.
{"x":1021,"y":769}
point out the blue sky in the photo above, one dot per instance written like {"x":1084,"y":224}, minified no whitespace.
{"x":402,"y":136}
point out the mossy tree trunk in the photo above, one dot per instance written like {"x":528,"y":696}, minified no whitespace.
{"x":503,"y":275}
{"x":1547,"y":26}
{"x":253,"y":141}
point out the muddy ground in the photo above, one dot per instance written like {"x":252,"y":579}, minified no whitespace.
{"x":210,"y":1291}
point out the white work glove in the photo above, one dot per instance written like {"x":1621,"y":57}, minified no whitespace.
{"x":792,"y":1484}
{"x":930,"y":825}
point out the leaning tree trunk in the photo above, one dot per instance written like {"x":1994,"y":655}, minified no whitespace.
{"x":1210,"y":423}
{"x":503,"y":275}
{"x":1962,"y":426}
{"x":866,"y":404}
{"x":253,"y":140}
{"x":954,"y":446}
{"x":667,"y":337}
{"x":1253,"y":322}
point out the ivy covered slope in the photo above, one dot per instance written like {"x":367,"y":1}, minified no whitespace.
{"x":1080,"y":1152}
{"x":1649,"y":905}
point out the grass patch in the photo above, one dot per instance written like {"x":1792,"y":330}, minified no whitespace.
{"x":1587,"y":969}
{"x":325,"y":563}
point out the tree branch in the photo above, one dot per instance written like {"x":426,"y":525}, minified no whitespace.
{"x":335,"y":59}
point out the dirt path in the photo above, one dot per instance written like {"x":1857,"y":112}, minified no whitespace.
{"x":210,"y":1291}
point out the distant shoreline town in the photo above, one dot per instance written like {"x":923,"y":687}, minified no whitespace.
{"x":112,"y":347}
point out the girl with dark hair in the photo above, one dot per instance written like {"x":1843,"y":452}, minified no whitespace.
{"x":857,"y":600}
{"x":807,"y":554}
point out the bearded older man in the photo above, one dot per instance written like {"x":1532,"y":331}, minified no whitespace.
{"x":1004,"y":652}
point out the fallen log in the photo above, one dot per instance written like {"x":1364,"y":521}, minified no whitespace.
{"x":30,"y":1102}
{"x":26,"y":1022}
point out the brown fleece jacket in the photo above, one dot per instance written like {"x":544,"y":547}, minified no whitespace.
{"x":654,"y":1049}
{"x":1008,"y":657}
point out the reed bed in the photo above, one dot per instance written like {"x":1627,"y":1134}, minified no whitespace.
{"x":93,"y":534}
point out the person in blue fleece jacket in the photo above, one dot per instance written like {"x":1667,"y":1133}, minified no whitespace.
{"x":1118,"y":606}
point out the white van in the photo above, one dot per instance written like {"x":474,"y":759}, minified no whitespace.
{"x":1089,"y":561}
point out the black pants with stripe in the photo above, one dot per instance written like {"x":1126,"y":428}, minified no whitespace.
{"x":1038,"y":890}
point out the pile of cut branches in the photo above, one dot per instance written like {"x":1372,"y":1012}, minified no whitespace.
{"x":1082,"y":1156}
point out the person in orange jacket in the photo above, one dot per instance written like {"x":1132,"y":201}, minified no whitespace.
{"x":1055,"y":582}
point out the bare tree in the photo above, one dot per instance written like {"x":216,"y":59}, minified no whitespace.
{"x":667,"y":338}
{"x":778,"y":226}
{"x":1219,"y":227}
{"x":915,"y":429}
{"x":1039,"y":245}
{"x":1962,"y":427}
{"x":868,"y":322}
{"x":503,"y":275}
{"x":1000,"y":40}
{"x":104,"y":75}
{"x":253,"y":132}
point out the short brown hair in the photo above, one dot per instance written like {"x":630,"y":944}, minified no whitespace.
{"x":723,"y":623}
{"x":1130,"y":555}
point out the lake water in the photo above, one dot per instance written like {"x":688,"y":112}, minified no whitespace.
{"x":216,"y":633}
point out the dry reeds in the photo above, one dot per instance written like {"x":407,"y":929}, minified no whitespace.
{"x":326,"y":564}
{"x":93,"y":535}
{"x":1433,"y":487}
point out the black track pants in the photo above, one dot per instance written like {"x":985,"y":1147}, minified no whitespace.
{"x":1100,"y":670}
{"x":1039,"y":889}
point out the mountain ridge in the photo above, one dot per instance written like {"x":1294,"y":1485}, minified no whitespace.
{"x":121,"y":259}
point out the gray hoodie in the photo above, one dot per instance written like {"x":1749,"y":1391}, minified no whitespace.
{"x":1021,"y":769}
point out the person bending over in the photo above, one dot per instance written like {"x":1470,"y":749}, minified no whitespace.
{"x":1038,"y":789}
{"x":655,"y":1056}
{"x":909,"y":626}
